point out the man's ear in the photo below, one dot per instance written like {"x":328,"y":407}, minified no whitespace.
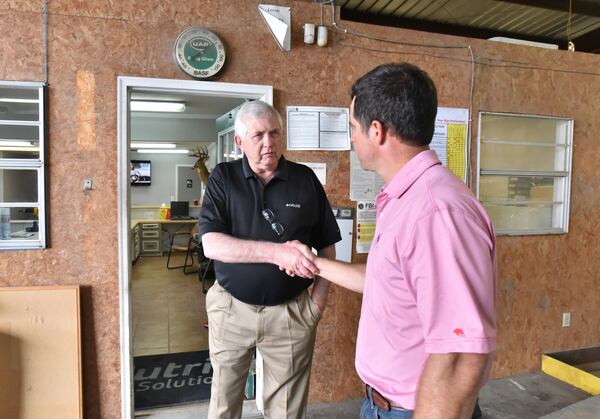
{"x":238,"y":141}
{"x":377,"y":132}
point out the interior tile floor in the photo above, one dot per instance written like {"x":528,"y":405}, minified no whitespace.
{"x":168,"y":308}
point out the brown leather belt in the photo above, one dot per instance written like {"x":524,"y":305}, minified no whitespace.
{"x":376,"y":398}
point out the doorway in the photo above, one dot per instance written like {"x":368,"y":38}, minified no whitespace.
{"x":129,"y":87}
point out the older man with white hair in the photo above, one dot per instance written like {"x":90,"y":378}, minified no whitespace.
{"x":252,"y":208}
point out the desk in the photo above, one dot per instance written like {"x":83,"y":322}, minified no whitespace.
{"x":151,"y":239}
{"x":134,"y":222}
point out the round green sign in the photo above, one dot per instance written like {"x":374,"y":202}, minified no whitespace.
{"x":199,"y":53}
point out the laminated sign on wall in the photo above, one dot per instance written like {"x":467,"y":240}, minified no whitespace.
{"x":366,"y":214}
{"x":450,"y":139}
{"x":317,"y":128}
{"x":364,"y":184}
{"x":450,"y":142}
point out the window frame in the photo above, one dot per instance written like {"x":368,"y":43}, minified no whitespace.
{"x":565,"y":175}
{"x":38,"y":164}
{"x":222,"y":138}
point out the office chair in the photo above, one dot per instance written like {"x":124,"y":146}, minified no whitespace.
{"x":189,"y":247}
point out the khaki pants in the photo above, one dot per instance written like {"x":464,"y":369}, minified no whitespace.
{"x":285,"y":337}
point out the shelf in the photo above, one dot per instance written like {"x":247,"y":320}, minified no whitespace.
{"x":524,"y":143}
{"x":20,"y":123}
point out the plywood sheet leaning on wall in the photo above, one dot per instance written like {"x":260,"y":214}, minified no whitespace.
{"x":40,"y":353}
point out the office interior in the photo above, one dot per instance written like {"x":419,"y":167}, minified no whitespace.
{"x":168,"y":306}
{"x":88,"y":46}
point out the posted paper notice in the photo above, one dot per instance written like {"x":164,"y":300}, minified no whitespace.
{"x":450,"y":139}
{"x":366,"y":214}
{"x":317,"y":128}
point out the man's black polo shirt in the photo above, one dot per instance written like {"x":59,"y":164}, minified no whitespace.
{"x":233,"y":204}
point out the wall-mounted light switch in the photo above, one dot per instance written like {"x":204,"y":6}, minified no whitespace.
{"x":566,"y":319}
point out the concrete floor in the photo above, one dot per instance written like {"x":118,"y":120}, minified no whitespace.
{"x":346,"y":409}
{"x":585,"y":409}
{"x":524,"y":396}
{"x":527,"y":396}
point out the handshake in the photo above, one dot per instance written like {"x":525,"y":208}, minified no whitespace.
{"x":297,"y":259}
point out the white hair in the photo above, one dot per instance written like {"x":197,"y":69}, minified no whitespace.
{"x":255,"y":109}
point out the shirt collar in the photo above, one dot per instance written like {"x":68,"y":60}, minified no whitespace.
{"x":411,"y":171}
{"x":280,"y":173}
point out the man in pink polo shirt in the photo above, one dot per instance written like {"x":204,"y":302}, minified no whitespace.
{"x":428,"y":325}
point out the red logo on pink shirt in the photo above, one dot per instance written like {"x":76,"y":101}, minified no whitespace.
{"x":459,"y":332}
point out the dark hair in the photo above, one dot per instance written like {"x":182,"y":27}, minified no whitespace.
{"x":402,"y":97}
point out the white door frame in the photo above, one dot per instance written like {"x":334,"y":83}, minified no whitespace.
{"x":124,"y":86}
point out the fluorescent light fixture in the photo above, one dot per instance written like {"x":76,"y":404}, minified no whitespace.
{"x":156,"y":106}
{"x":158,"y":150}
{"x":15,"y":143}
{"x":139,"y":144}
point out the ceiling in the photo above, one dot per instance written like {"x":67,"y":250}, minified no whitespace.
{"x":533,"y":20}
{"x":196,"y":106}
{"x":194,"y":126}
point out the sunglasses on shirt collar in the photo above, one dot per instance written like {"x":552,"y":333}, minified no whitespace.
{"x":275,"y":226}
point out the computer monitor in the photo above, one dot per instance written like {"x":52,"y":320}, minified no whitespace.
{"x":180,"y":209}
{"x":139,"y":172}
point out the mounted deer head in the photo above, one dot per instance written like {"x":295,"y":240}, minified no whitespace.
{"x":201,"y":154}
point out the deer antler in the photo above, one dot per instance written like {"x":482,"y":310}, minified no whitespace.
{"x":201,"y":153}
{"x":202,"y":156}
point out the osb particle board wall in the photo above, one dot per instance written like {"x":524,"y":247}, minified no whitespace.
{"x":91,"y":43}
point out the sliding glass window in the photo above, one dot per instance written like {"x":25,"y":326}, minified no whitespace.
{"x":524,"y":172}
{"x":22,"y":169}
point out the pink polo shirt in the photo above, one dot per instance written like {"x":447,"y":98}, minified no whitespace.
{"x":430,"y":281}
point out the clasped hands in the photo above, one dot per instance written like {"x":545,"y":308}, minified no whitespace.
{"x":298,"y":260}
